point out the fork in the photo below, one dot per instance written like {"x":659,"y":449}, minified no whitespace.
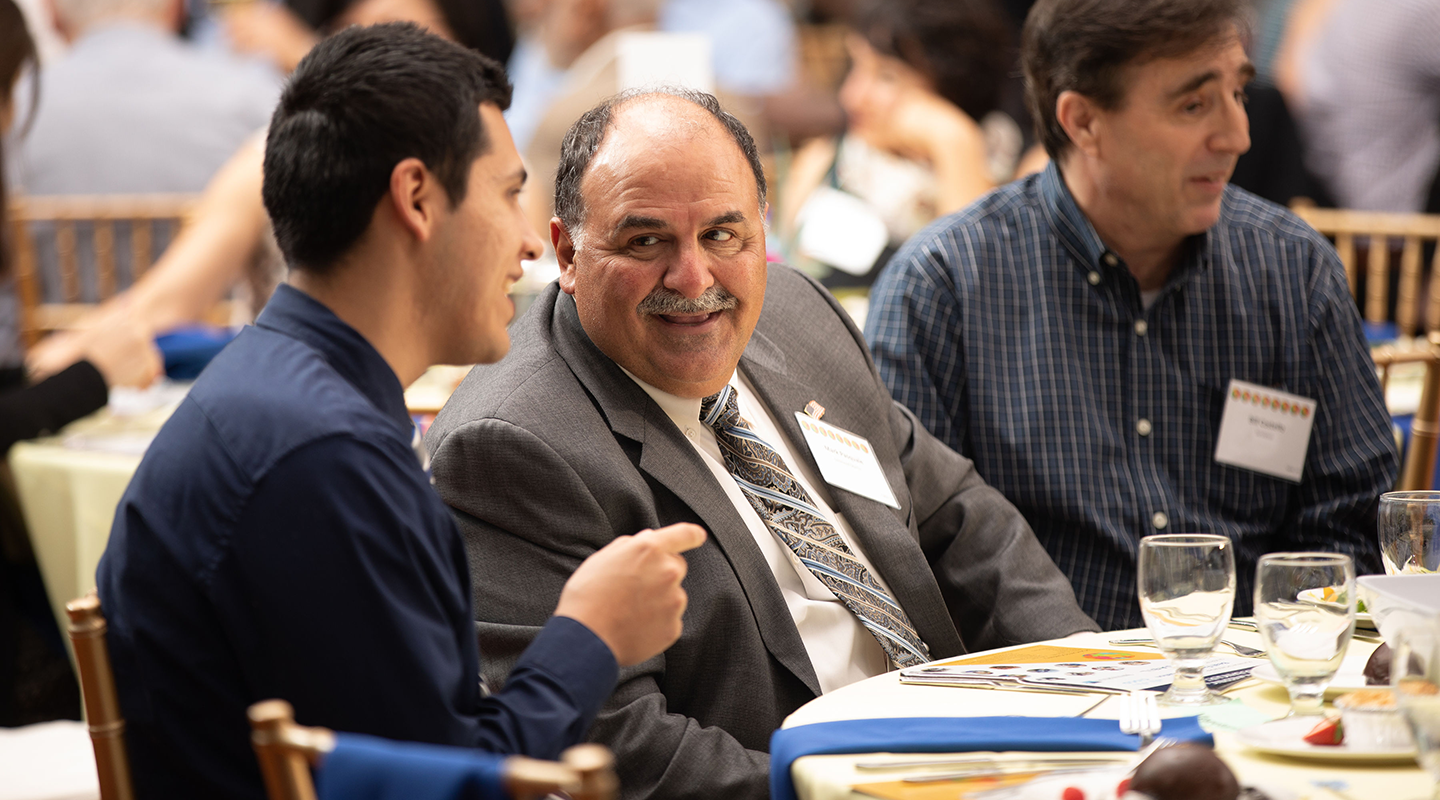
{"x":1248,"y":652}
{"x":1139,"y":714}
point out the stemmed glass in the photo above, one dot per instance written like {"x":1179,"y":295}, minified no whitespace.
{"x":1415,"y":675}
{"x":1305,"y":609}
{"x":1410,"y":532}
{"x":1187,"y":588}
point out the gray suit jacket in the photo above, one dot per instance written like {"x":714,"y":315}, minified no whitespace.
{"x":550,"y":454}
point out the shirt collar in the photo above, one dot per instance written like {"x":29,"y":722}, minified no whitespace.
{"x":293,"y":313}
{"x":1089,"y":251}
{"x":683,"y":411}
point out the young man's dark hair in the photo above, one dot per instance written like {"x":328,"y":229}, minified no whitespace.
{"x":362,"y":101}
{"x":1084,"y":45}
{"x":964,"y":47}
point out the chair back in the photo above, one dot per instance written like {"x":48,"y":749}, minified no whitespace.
{"x":1345,"y":227}
{"x":287,"y":752}
{"x":102,"y":704}
{"x":65,"y":218}
{"x":1419,"y":469}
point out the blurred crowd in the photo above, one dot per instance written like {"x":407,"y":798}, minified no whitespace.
{"x":875,"y":117}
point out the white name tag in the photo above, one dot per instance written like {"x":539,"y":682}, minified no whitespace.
{"x":846,"y":460}
{"x":1265,"y":430}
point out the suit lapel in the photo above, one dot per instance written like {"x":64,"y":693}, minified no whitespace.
{"x":668,"y":458}
{"x":879,"y":529}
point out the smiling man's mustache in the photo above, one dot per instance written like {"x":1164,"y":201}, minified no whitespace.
{"x":670,"y":302}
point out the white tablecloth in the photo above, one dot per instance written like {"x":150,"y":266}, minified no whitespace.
{"x":69,"y":486}
{"x":830,"y":777}
{"x":49,"y":761}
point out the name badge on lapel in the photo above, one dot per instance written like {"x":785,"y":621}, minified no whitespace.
{"x":1265,"y":430}
{"x":846,"y":460}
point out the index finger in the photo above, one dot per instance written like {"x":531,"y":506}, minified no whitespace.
{"x":675,"y":538}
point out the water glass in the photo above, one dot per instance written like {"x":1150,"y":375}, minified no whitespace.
{"x":1409,"y":533}
{"x":1305,"y":609}
{"x":1415,"y":676}
{"x":1187,"y":589}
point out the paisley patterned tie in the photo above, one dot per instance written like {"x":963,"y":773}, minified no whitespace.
{"x":789,"y":513}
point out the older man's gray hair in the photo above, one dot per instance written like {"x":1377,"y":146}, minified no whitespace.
{"x":584,"y":137}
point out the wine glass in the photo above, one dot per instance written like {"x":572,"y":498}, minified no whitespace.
{"x":1187,"y":588}
{"x":1305,"y":609}
{"x":1410,"y":532}
{"x":1415,"y":676}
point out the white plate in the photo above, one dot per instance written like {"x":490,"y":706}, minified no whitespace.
{"x":1283,"y":737}
{"x":1363,"y":619}
{"x":1350,"y":676}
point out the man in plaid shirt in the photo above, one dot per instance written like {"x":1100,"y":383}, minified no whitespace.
{"x":1075,"y":333}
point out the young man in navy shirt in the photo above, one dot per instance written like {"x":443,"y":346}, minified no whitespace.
{"x":281,"y":537}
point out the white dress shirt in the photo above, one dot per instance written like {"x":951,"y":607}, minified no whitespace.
{"x":841,"y":650}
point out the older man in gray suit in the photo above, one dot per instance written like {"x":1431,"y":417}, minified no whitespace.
{"x":845,"y":539}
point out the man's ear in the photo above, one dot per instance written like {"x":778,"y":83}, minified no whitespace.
{"x":417,"y":197}
{"x":1080,"y":118}
{"x":564,"y":253}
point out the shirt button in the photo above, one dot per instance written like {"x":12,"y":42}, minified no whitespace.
{"x":1110,"y":259}
{"x":1159,"y":520}
{"x":690,"y":432}
{"x":1093,"y":277}
{"x":1143,"y":427}
{"x":1141,"y":327}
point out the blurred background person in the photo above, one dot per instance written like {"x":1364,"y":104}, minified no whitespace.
{"x":228,"y":235}
{"x":285,"y":32}
{"x":131,"y":108}
{"x":753,"y":48}
{"x":923,"y":135}
{"x":1369,"y":90}
{"x":36,"y":683}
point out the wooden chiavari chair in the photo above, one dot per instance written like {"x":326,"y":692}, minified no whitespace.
{"x":102,"y":704}
{"x":288,"y":751}
{"x":1419,"y":468}
{"x":1412,"y":230}
{"x":67,"y":216}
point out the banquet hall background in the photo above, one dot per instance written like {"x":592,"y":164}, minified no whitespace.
{"x":131,"y":167}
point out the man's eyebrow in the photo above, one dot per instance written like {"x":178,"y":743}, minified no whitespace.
{"x":1247,"y":74}
{"x":728,"y":218}
{"x":632,"y":221}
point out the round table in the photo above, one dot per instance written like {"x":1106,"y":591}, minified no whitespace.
{"x":830,"y":777}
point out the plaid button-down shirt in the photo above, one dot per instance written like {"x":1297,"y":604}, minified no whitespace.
{"x":1019,"y":339}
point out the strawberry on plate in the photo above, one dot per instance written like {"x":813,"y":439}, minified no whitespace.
{"x":1328,"y":732}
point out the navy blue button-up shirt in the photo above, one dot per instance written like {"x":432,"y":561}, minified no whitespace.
{"x":1015,"y":336}
{"x":280,"y":539}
